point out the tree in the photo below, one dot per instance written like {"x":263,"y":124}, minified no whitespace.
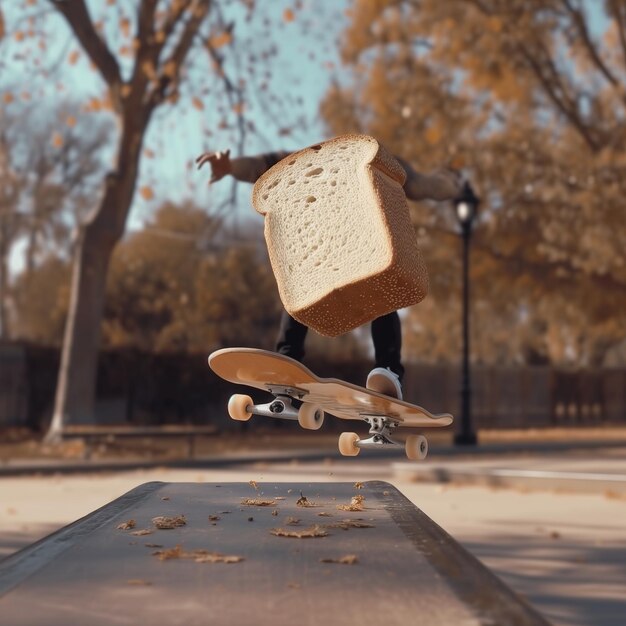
{"x":528,"y":98}
{"x":143,"y":53}
{"x":10,"y":186}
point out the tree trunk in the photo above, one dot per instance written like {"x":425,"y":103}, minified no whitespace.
{"x":76,"y":384}
{"x":75,"y":396}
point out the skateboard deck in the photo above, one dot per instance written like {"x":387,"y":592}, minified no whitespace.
{"x":269,"y":371}
{"x":288,"y":380}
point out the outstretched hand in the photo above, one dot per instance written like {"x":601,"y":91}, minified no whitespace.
{"x":220,"y":164}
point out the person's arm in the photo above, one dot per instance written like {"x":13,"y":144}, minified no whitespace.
{"x":245,"y":169}
{"x":443,"y":184}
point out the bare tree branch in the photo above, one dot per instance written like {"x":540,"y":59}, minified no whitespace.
{"x":618,"y":10}
{"x":583,"y":31}
{"x":77,"y":16}
{"x":171,"y":67}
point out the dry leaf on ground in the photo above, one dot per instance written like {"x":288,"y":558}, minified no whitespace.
{"x":345,"y":524}
{"x":164,"y":522}
{"x":127,"y":525}
{"x":356,"y":504}
{"x":143,"y":531}
{"x":257,"y":502}
{"x":303,"y":501}
{"x":306,"y":533}
{"x":349,"y":559}
{"x":199,"y":556}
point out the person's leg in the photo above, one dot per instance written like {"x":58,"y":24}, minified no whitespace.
{"x":386,"y":377}
{"x":387,"y":339}
{"x":291,"y":337}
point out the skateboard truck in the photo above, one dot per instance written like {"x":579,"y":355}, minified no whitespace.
{"x":350,"y":444}
{"x":308,"y":415}
{"x":380,"y":429}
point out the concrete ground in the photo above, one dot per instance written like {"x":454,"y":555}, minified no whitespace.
{"x":561,"y":546}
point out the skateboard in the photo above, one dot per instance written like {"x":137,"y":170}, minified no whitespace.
{"x":300,"y":395}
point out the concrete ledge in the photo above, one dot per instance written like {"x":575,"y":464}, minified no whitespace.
{"x":405,"y":569}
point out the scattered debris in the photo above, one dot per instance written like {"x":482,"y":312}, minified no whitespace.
{"x":324,"y":514}
{"x":199,"y":556}
{"x":142,"y":532}
{"x":167,"y":523}
{"x":313,"y":531}
{"x":165,"y":497}
{"x":280,"y":498}
{"x":346,"y":524}
{"x":356,"y":504}
{"x":127,"y":525}
{"x":251,"y":519}
{"x":153,"y":545}
{"x":257,"y":502}
{"x":214,"y":518}
{"x":348,"y":559}
{"x":293,"y":521}
{"x":252,"y":483}
{"x":294,"y":585}
{"x":359,"y":485}
{"x":275,"y":512}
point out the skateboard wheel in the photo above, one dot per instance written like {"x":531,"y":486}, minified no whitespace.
{"x":347,"y":444}
{"x":238,"y":407}
{"x":310,"y":416}
{"x":416,"y":447}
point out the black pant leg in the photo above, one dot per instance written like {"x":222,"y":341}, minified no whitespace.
{"x":291,"y":337}
{"x":387,"y":338}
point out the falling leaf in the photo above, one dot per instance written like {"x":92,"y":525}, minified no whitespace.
{"x":125,"y":26}
{"x":2,"y":26}
{"x":70,"y":121}
{"x":8,"y":97}
{"x":238,"y":108}
{"x":218,"y":41}
{"x":289,"y":15}
{"x":146,"y":194}
{"x":19,"y":35}
{"x":57,"y":140}
{"x":72,"y":59}
{"x":197,"y":103}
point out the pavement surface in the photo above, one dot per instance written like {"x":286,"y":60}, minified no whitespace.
{"x":550,"y":519}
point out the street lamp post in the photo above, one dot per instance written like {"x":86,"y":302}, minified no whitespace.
{"x":466,"y":206}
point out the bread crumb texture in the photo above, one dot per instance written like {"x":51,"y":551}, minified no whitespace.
{"x":339,"y":234}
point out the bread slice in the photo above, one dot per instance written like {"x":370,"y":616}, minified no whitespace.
{"x":339,"y":235}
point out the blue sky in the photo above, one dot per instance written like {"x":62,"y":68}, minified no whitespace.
{"x":305,"y":61}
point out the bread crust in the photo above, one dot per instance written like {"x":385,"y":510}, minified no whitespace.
{"x":338,"y":300}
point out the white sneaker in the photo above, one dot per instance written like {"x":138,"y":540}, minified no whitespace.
{"x":384,"y":381}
